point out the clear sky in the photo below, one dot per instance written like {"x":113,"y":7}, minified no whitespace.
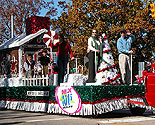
{"x":43,"y":11}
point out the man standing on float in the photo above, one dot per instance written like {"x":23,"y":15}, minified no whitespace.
{"x":124,"y":49}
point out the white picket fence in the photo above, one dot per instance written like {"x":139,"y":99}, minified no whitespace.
{"x":36,"y":81}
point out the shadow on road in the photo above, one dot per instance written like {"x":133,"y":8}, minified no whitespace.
{"x":116,"y":114}
{"x":18,"y":114}
{"x":11,"y":123}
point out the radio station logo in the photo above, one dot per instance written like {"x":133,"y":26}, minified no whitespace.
{"x":68,"y":99}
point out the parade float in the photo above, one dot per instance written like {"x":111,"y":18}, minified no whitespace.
{"x":74,"y":96}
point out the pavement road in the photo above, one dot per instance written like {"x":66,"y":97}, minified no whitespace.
{"x":120,"y":117}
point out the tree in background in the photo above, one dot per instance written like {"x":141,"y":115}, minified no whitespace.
{"x":21,"y":10}
{"x":108,"y":16}
{"x":80,"y":16}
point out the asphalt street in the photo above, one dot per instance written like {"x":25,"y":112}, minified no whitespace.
{"x":120,"y":117}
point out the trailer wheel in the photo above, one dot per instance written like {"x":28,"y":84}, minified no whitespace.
{"x":137,"y":110}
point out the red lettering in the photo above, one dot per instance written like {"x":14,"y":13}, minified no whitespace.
{"x":64,"y":91}
{"x":69,"y":90}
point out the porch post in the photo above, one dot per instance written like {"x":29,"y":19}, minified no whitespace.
{"x":20,"y":61}
{"x":12,"y":26}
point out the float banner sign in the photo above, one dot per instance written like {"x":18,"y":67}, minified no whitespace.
{"x":68,"y":99}
{"x":37,"y":93}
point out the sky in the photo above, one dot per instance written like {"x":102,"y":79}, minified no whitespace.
{"x":43,"y":11}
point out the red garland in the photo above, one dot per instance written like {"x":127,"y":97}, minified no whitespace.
{"x":108,"y":83}
{"x":105,"y":51}
{"x":106,"y":68}
{"x":135,"y":102}
{"x":89,"y":102}
{"x":27,"y":100}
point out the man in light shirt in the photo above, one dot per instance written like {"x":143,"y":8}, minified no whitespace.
{"x":29,"y":67}
{"x":124,"y":49}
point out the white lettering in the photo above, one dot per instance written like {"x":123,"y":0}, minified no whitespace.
{"x":37,"y":93}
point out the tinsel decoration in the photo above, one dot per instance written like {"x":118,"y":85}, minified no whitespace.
{"x":36,"y":23}
{"x":111,"y":80}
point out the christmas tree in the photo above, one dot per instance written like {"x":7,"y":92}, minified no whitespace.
{"x":107,"y":73}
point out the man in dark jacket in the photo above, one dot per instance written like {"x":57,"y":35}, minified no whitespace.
{"x":44,"y":61}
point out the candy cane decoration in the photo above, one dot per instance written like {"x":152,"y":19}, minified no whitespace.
{"x":80,"y":67}
{"x":104,"y":36}
{"x":50,"y":36}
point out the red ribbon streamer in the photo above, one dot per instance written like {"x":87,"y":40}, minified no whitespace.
{"x":106,"y":68}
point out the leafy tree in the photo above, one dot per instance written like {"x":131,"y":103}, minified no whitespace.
{"x":21,"y":10}
{"x":108,"y":16}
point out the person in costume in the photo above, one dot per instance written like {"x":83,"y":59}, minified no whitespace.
{"x":124,"y":49}
{"x":14,"y":64}
{"x":64,"y":49}
{"x":94,"y":45}
{"x":29,"y":67}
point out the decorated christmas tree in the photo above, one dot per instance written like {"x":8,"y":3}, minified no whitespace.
{"x":107,"y":73}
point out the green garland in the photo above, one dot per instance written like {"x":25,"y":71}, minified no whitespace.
{"x":94,"y":93}
{"x":21,"y":93}
{"x":87,"y":93}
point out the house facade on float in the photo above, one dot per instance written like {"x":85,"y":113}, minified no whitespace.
{"x":14,"y":52}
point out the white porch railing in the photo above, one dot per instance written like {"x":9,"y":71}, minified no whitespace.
{"x":36,"y":81}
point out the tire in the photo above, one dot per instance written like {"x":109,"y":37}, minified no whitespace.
{"x":137,"y":110}
{"x":2,"y":109}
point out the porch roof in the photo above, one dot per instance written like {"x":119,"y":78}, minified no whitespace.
{"x":20,"y":40}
